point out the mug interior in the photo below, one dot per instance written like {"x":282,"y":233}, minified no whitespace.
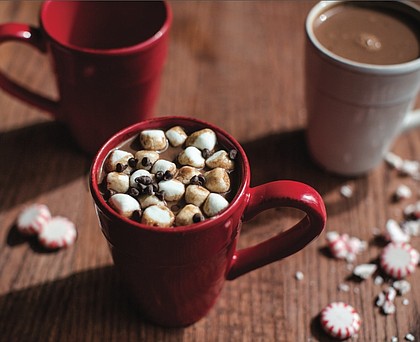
{"x":190,"y":125}
{"x":404,"y":8}
{"x":104,"y":25}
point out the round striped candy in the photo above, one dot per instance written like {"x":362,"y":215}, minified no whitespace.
{"x":340,"y":320}
{"x":32,"y":219}
{"x":399,"y":259}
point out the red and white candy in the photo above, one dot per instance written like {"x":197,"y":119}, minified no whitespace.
{"x":343,"y":246}
{"x":399,"y":259}
{"x":57,"y":233}
{"x":340,"y":320}
{"x":32,"y":219}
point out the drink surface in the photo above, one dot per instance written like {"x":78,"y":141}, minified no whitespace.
{"x":369,"y":32}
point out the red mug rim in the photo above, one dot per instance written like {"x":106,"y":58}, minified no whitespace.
{"x":143,"y":45}
{"x":130,"y":131}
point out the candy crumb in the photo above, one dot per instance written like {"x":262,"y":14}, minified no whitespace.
{"x":346,"y":191}
{"x":410,"y":337}
{"x":299,"y":275}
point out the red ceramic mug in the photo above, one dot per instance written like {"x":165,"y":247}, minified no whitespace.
{"x":107,"y":57}
{"x":175,"y":275}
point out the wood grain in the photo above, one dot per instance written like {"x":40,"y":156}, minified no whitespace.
{"x":240,"y":66}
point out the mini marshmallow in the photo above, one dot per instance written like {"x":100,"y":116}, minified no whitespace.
{"x":202,"y":139}
{"x":149,"y":200}
{"x":124,"y":204}
{"x":191,"y":156}
{"x":220,"y":159}
{"x":214,"y":204}
{"x":217,"y":180}
{"x":145,"y":159}
{"x":176,"y":136}
{"x":185,"y":174}
{"x":172,"y":189}
{"x":411,"y":228}
{"x":153,"y":139}
{"x":163,"y":166}
{"x":118,"y":182}
{"x":196,"y":194}
{"x":188,"y":215}
{"x":158,"y":216}
{"x":118,"y":157}
{"x":137,"y":174}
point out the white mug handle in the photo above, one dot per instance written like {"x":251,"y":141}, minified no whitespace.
{"x":411,"y":120}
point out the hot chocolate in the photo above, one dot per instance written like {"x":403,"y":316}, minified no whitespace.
{"x":373,"y":32}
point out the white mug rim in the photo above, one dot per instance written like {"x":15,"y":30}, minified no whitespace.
{"x":356,"y":66}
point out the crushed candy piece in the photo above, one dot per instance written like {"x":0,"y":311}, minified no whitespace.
{"x":344,"y":247}
{"x":395,"y":233}
{"x":364,"y":271}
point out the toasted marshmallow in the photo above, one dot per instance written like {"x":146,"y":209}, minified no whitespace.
{"x":176,"y":136}
{"x":217,"y":180}
{"x":185,"y":174}
{"x":118,"y":157}
{"x":188,"y":215}
{"x":202,"y":139}
{"x":214,"y":204}
{"x":153,"y":139}
{"x":158,"y":216}
{"x":173,"y":190}
{"x":138,"y":173}
{"x":196,"y":194}
{"x":148,"y":200}
{"x":124,"y":204}
{"x":146,"y":158}
{"x":118,"y":182}
{"x":220,"y":159}
{"x":163,"y":166}
{"x":191,"y":156}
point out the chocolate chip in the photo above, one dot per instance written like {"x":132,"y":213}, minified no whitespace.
{"x":206,"y":153}
{"x":197,"y":180}
{"x":133,"y":192}
{"x":145,"y":180}
{"x":149,"y":190}
{"x":146,"y":162}
{"x":108,"y":193}
{"x":160,"y":195}
{"x":120,"y":167}
{"x":136,"y":216}
{"x":197,"y":218}
{"x":167,"y":175}
{"x":232,"y":154}
{"x":159,"y":176}
{"x":132,"y":162}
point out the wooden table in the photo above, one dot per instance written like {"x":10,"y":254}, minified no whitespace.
{"x":240,"y":66}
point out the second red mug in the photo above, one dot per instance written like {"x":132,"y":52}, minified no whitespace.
{"x":107,"y":57}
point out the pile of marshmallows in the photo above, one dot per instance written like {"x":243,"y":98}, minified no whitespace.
{"x":167,"y":193}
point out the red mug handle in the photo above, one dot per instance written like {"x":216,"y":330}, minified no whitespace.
{"x":280,"y":194}
{"x":32,"y":36}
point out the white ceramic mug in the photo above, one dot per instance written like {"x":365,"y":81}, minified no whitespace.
{"x":356,"y":110}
